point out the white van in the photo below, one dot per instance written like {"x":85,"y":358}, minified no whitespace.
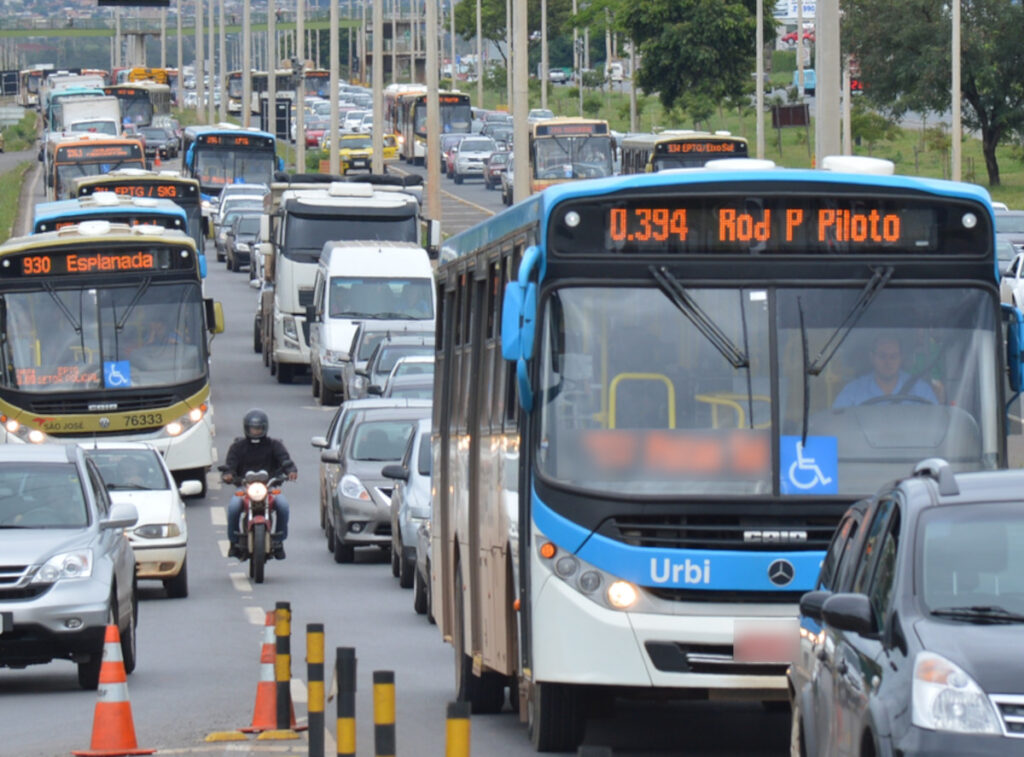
{"x":364,"y":282}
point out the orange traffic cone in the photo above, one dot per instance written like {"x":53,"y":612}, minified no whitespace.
{"x":264,"y":715}
{"x":113,"y":732}
{"x":156,"y":161}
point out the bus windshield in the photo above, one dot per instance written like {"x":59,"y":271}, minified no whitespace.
{"x":643,"y":395}
{"x":61,"y":340}
{"x":217,"y":167}
{"x":455,"y":118}
{"x":68,"y":172}
{"x":572,"y":157}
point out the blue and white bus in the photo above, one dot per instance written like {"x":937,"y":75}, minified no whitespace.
{"x":641,"y":438}
{"x":225,"y":154}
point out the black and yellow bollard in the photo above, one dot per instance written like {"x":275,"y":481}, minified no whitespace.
{"x":315,"y":676}
{"x":457,"y":730}
{"x":384,"y":713}
{"x":283,"y":663}
{"x":346,"y":671}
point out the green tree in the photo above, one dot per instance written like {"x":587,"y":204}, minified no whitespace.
{"x":699,"y":48}
{"x":492,"y":20}
{"x":904,"y":54}
{"x":868,"y":126}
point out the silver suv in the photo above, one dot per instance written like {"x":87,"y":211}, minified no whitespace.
{"x":66,"y":570}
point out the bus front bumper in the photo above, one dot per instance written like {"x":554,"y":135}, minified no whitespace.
{"x":577,"y":640}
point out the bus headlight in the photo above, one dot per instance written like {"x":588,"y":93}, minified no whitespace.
{"x":622,"y":595}
{"x":192,"y":417}
{"x":21,"y":432}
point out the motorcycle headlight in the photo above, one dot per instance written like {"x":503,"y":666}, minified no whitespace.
{"x":256,"y":491}
{"x":66,"y":565}
{"x":158,"y":531}
{"x":353,"y":488}
{"x":945,"y":698}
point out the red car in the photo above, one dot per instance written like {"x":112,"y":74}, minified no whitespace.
{"x":315,"y":130}
{"x":494,"y":167}
{"x":448,"y":144}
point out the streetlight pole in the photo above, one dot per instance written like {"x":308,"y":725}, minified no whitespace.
{"x":759,"y":54}
{"x":433,"y":118}
{"x":377,"y":136}
{"x":543,"y":53}
{"x":955,"y":93}
{"x":334,"y":44}
{"x":479,"y":57}
{"x":181,"y":63}
{"x":200,"y":67}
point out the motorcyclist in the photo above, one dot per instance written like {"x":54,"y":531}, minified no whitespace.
{"x":253,"y":452}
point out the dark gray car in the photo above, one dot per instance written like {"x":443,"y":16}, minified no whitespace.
{"x":331,"y":441}
{"x":242,"y":238}
{"x":385,"y":355}
{"x":66,"y":569}
{"x":359,"y":513}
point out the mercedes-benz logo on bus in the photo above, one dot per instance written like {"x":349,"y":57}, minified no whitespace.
{"x":781,"y":572}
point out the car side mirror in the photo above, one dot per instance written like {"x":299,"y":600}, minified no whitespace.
{"x":811,"y":602}
{"x":330,"y":456}
{"x":375,"y":390}
{"x":849,"y":612}
{"x":395,"y":471}
{"x":190,"y":488}
{"x":122,"y":515}
{"x":320,"y":442}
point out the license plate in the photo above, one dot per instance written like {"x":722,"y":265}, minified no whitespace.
{"x":359,"y":163}
{"x":765,"y":641}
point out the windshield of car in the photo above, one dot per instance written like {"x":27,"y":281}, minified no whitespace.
{"x":477,"y":145}
{"x":248,"y":225}
{"x":389,"y":354}
{"x":369,"y":341}
{"x":411,"y":391}
{"x":414,"y":368}
{"x":971,"y":558}
{"x":355,"y":143}
{"x":381,"y":440}
{"x":638,"y":395}
{"x":154,"y":133}
{"x":41,"y":495}
{"x":1011,"y":223}
{"x":380,"y":298}
{"x":137,"y":469}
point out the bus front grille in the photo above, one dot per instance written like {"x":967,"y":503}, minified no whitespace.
{"x":79,"y":406}
{"x":717,"y":531}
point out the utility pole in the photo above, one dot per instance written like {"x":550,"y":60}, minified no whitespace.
{"x":433,"y":117}
{"x":163,"y":38}
{"x":826,"y":65}
{"x":271,"y":58}
{"x":955,"y":94}
{"x":332,"y":64}
{"x":181,"y":63}
{"x":222,"y":76}
{"x":351,"y":52}
{"x":378,"y":86}
{"x":299,"y":70}
{"x":759,"y":78}
{"x":362,"y":48}
{"x":451,"y":39}
{"x":199,"y":60}
{"x":632,"y":86}
{"x":521,"y":101}
{"x":211,"y":114}
{"x":543,"y":53}
{"x":117,"y":36}
{"x":246,"y":113}
{"x":576,"y":58}
{"x":479,"y":57}
{"x":394,"y":42}
{"x":508,"y":55}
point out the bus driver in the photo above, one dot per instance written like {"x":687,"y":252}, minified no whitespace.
{"x":886,"y":378}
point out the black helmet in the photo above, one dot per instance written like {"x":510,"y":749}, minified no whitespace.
{"x":255,"y":425}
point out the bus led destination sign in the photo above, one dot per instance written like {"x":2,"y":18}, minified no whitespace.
{"x":773,"y":225}
{"x":234,"y":140}
{"x":727,"y":148}
{"x":91,"y":261}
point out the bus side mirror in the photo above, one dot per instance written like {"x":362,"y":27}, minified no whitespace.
{"x":519,"y":310}
{"x":214,"y":316}
{"x":202,"y":266}
{"x":1014,"y":344}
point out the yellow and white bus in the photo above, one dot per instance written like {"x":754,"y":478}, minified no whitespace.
{"x":647,"y":153}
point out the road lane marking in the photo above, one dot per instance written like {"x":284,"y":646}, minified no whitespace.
{"x":446,"y":193}
{"x":256,"y":616}
{"x":241,"y":583}
{"x":299,"y":693}
{"x":219,"y":516}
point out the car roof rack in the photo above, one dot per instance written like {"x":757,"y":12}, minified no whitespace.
{"x":939,"y":471}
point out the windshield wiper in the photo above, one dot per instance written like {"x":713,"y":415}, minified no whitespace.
{"x":678,"y":296}
{"x":871,"y":290}
{"x":981,"y":613}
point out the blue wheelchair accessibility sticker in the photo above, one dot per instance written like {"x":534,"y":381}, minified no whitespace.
{"x":811,"y":468}
{"x":117,"y":373}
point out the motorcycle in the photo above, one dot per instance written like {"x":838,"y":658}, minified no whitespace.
{"x":257,"y":520}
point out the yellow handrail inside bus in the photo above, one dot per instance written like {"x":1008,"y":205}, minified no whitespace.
{"x":730,"y":400}
{"x":659,"y":377}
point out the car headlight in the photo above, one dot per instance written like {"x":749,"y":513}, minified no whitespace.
{"x":335,"y":356}
{"x":66,"y":565}
{"x":242,"y":247}
{"x":158,"y":531}
{"x":945,"y":698}
{"x":353,"y":488}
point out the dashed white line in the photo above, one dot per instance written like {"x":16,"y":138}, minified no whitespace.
{"x":241,"y":583}
{"x":257,"y":616}
{"x":219,"y":516}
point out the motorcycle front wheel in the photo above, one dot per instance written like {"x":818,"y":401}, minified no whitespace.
{"x":259,"y":552}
